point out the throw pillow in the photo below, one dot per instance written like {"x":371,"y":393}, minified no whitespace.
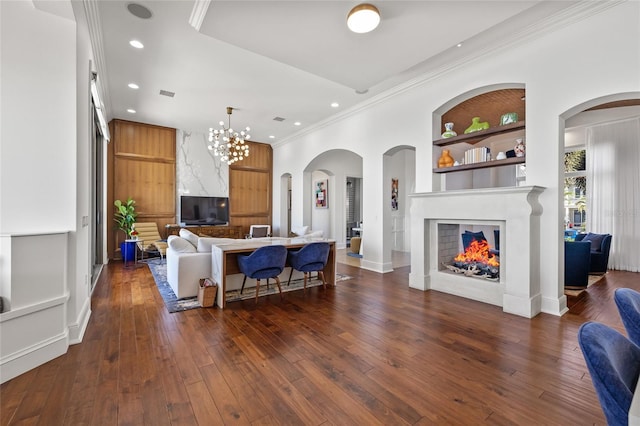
{"x":189,"y":236}
{"x":205,"y":243}
{"x":300,"y":231}
{"x":180,"y":245}
{"x":596,"y":240}
{"x":469,"y":236}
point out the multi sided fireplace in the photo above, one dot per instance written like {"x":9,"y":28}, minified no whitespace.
{"x":472,"y":251}
{"x":514,"y":212}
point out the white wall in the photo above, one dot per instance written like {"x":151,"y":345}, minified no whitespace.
{"x":38,"y":133}
{"x":568,"y":65}
{"x":44,"y":172}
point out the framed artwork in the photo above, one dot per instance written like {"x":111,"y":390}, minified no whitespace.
{"x":394,"y":193}
{"x":322,"y":193}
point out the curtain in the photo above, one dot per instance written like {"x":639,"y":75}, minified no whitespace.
{"x":613,"y":189}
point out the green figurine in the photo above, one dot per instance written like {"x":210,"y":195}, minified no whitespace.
{"x":476,"y":125}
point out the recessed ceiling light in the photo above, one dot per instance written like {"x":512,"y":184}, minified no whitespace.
{"x":459,"y":45}
{"x":271,"y":137}
{"x":297,"y":123}
{"x":334,"y":105}
{"x":137,"y":44}
{"x":133,"y":86}
{"x":131,"y":111}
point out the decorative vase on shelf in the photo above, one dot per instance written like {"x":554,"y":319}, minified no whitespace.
{"x":519,"y":148}
{"x":449,"y":133}
{"x":476,"y":125}
{"x":445,"y":160}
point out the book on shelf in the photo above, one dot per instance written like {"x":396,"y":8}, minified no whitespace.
{"x":477,"y":155}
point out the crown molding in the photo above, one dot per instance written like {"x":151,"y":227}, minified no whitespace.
{"x":198,"y":13}
{"x":577,"y":12}
{"x":95,"y":35}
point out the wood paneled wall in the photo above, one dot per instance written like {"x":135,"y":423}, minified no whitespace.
{"x":141,"y":165}
{"x":250,"y":188}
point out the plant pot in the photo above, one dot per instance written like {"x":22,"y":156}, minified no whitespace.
{"x":128,"y":251}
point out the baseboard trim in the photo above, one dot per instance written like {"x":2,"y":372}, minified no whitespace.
{"x":77,"y":329}
{"x":31,"y":357}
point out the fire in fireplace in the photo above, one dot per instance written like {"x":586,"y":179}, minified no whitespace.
{"x":478,"y":261}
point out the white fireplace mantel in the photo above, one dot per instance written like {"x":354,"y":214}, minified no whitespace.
{"x":515,"y":210}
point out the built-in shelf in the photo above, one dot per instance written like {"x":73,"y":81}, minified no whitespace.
{"x":483,"y":165}
{"x":475,"y":137}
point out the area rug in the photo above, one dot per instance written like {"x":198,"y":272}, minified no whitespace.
{"x":296,"y":284}
{"x":576,"y":292}
{"x":158,"y":268}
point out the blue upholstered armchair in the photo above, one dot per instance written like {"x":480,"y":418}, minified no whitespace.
{"x":628,"y":302}
{"x":577,"y":261}
{"x":614,"y":364}
{"x":265,"y":262}
{"x":600,"y":246}
{"x":312,"y":257}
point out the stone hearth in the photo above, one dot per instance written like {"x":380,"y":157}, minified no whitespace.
{"x":515,"y":211}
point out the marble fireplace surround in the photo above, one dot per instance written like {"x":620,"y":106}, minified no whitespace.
{"x":515,"y":210}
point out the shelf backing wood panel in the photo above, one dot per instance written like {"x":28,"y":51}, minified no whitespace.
{"x":488,"y":106}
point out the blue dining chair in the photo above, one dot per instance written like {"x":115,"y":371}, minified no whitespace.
{"x":265,"y":262}
{"x":614,"y":364}
{"x":312,"y":257}
{"x":628,"y":302}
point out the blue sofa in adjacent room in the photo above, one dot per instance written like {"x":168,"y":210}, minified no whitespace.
{"x":600,"y":246}
{"x":577,"y":260}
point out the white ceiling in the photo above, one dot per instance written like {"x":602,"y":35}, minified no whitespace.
{"x":288,"y":59}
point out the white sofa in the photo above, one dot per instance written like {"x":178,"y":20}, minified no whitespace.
{"x":305,"y":231}
{"x":189,"y":260}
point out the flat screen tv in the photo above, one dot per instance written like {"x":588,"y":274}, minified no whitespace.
{"x":204,"y":210}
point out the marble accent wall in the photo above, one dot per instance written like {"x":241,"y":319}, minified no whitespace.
{"x":198,"y":171}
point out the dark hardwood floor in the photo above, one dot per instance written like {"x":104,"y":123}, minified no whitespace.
{"x":370,"y":351}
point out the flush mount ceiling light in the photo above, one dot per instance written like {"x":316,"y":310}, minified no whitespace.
{"x":363,"y":18}
{"x":227,"y":144}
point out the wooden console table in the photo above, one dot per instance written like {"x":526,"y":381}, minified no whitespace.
{"x":224,"y":259}
{"x":207,"y":230}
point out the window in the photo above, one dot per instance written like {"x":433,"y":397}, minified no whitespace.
{"x":575,"y":188}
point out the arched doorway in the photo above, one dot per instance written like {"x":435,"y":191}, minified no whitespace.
{"x":586,"y":210}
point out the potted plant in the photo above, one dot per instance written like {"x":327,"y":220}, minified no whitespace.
{"x":125,"y":217}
